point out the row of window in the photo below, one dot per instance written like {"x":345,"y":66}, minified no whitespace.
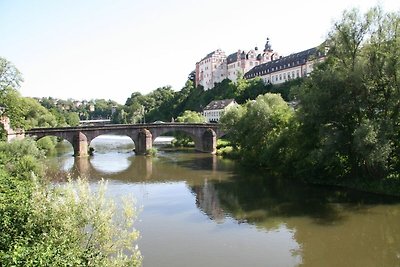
{"x":281,"y":67}
{"x":284,"y":76}
{"x":213,"y":113}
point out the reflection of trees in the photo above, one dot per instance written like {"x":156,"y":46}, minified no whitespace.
{"x":333,"y":227}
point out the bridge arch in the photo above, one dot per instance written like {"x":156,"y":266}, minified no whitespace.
{"x":39,"y":138}
{"x":104,"y":142}
{"x":161,"y":131}
{"x":136,"y":135}
{"x":64,"y":136}
{"x":132,"y":134}
{"x":78,"y":140}
{"x":204,"y":138}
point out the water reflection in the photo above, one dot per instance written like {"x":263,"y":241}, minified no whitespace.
{"x":246,"y":218}
{"x":113,"y":166}
{"x":333,"y":227}
{"x":167,"y":167}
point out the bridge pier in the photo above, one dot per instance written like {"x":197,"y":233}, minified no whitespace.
{"x":144,"y":142}
{"x":208,"y":142}
{"x":80,"y":144}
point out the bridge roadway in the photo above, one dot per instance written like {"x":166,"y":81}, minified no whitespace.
{"x":204,"y":135}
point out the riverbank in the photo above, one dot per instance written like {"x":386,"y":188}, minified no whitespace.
{"x":388,"y":186}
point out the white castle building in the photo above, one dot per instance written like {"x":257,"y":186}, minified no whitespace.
{"x":287,"y":68}
{"x":272,"y":68}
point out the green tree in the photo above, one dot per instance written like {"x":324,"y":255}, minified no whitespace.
{"x":10,"y":77}
{"x":191,"y":117}
{"x":72,"y":119}
{"x":257,"y":127}
{"x":25,"y":112}
{"x":349,"y":112}
{"x":162,"y":109}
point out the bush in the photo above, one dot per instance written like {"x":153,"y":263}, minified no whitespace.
{"x":64,"y":225}
{"x":221,"y":143}
{"x":182,"y":140}
{"x":151,"y":152}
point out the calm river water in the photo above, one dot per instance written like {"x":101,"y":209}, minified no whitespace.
{"x":201,"y":210}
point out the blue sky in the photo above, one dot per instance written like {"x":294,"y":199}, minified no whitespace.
{"x":86,"y":49}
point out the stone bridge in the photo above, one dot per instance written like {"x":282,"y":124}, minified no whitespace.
{"x":204,"y":135}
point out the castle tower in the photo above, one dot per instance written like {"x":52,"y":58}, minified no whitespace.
{"x":268,"y":47}
{"x":269,"y":54}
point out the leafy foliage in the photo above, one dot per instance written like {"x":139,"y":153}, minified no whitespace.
{"x":191,"y":117}
{"x":10,"y":77}
{"x":349,"y":107}
{"x":65,"y":225}
{"x":256,"y":127}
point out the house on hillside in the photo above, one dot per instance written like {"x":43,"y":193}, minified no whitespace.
{"x":214,"y":110}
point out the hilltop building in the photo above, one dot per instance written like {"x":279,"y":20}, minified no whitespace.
{"x":211,"y":69}
{"x":242,"y":61}
{"x":216,"y":66}
{"x":287,"y":68}
{"x":214,"y":110}
{"x":267,"y":64}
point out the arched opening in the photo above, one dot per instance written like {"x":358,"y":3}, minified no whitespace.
{"x":55,"y":145}
{"x":110,"y":153}
{"x":178,"y":139}
{"x":59,"y":161}
{"x":112,"y":143}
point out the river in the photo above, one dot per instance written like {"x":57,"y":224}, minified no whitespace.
{"x":201,"y":210}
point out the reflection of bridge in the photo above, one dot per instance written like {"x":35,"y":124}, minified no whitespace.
{"x":204,"y":135}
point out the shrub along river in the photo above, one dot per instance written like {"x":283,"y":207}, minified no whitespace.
{"x":202,"y":210}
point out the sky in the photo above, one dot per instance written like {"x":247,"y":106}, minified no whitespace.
{"x":91,"y":49}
